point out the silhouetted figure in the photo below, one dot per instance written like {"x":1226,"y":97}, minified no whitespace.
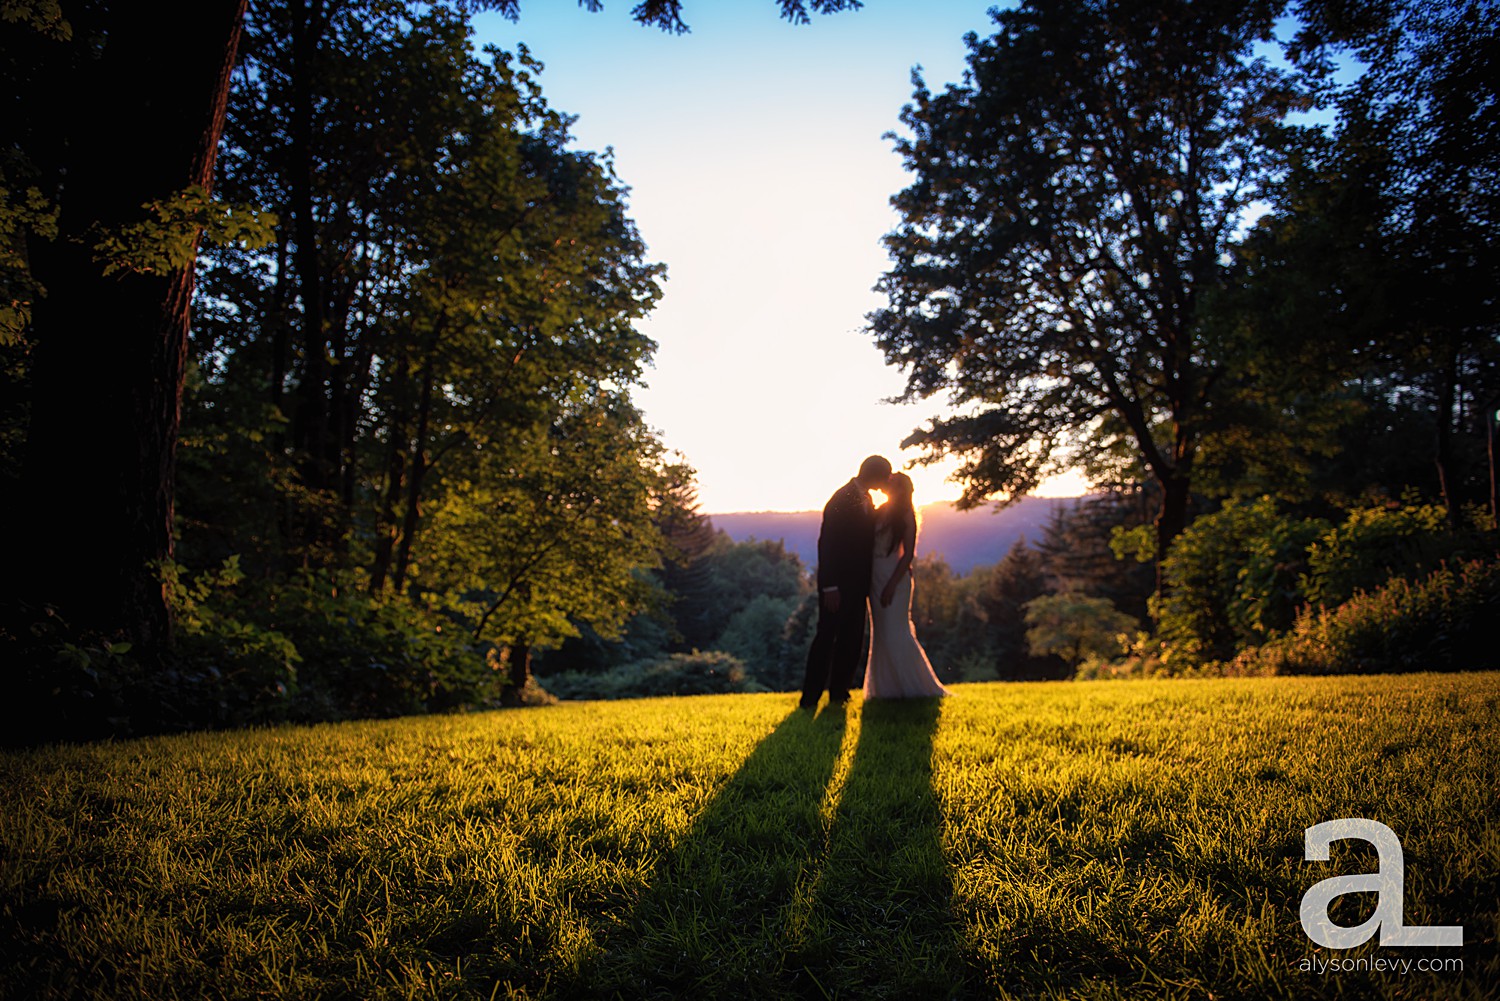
{"x":845,"y":545}
{"x":898,"y":667}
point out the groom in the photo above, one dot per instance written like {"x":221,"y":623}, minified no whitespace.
{"x":845,"y":544}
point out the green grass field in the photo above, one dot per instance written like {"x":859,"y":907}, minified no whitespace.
{"x":1091,"y":840}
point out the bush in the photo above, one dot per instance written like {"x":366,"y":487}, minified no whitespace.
{"x":311,"y":647}
{"x":361,"y":656}
{"x":1375,"y":544}
{"x":1076,"y":627}
{"x":61,"y":684}
{"x":680,"y":674}
{"x":756,"y":634}
{"x":226,"y":669}
{"x":1444,"y":622}
{"x":1233,"y":580}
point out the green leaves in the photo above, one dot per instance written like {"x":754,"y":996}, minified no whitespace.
{"x":167,"y":238}
{"x":1073,"y":205}
{"x":447,"y":321}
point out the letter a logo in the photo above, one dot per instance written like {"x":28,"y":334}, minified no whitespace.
{"x":1388,"y":883}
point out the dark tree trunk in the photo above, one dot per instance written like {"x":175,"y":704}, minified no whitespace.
{"x":412,"y":517}
{"x":1491,"y":417}
{"x":395,"y":472}
{"x":518,"y":673}
{"x":1171,"y":519}
{"x":136,"y":124}
{"x":1443,"y":444}
{"x":310,"y":421}
{"x":276,"y":321}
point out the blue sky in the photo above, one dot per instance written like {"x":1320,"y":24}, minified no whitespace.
{"x":759,"y":175}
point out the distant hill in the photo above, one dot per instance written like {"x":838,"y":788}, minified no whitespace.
{"x":966,"y":539}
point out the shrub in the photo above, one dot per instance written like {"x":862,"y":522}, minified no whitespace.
{"x":1443,"y":622}
{"x":1075,"y":627}
{"x":226,"y":669}
{"x":314,"y":646}
{"x":1233,"y":580}
{"x":680,"y":674}
{"x":756,"y":634}
{"x":1375,"y":544}
{"x":365,"y":656}
{"x":61,"y":684}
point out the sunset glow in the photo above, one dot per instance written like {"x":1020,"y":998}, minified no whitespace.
{"x":759,"y":175}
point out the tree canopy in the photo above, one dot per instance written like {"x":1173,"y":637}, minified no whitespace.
{"x":1074,"y":204}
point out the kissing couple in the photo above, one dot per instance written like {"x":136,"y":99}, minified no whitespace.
{"x":864,"y":576}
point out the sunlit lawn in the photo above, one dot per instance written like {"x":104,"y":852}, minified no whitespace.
{"x":1112,"y":839}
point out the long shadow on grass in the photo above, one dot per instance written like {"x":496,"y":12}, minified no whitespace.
{"x":712,"y":920}
{"x":880,"y":921}
{"x":764,"y":899}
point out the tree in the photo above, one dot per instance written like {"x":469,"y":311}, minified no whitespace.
{"x":1235,"y":579}
{"x":105,"y":372}
{"x":689,"y":539}
{"x":1075,"y":627}
{"x":998,"y":603}
{"x":1074,"y":206}
{"x":1078,"y":550}
{"x":667,"y":14}
{"x":548,"y":531}
{"x":117,"y":114}
{"x":1381,"y":240}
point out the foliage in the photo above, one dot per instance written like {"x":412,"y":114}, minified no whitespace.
{"x":1080,"y":552}
{"x":314,"y":646}
{"x":709,"y":593}
{"x":1378,"y":543}
{"x":421,"y":392}
{"x":723,"y":578}
{"x":62,"y":683}
{"x":667,"y":14}
{"x":22,"y":212}
{"x":756,"y":636}
{"x":1234,"y":579}
{"x":996,"y":603}
{"x":678,"y":674}
{"x":1075,"y":627}
{"x":1379,"y":241}
{"x":552,"y":536}
{"x":370,"y":656}
{"x":167,"y":238}
{"x":229,"y":669}
{"x":1016,"y":840}
{"x":1075,"y":202}
{"x":1441,"y":622}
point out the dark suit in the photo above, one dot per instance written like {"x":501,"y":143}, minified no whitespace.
{"x":844,"y":547}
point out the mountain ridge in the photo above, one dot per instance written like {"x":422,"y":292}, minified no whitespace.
{"x":964,"y":539}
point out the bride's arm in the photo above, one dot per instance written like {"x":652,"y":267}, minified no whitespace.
{"x":903,"y":566}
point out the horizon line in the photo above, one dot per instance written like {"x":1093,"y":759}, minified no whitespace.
{"x":920,"y":507}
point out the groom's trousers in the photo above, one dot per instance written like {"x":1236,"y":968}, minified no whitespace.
{"x":836,"y":650}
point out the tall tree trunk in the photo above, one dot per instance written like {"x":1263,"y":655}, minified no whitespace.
{"x":395,"y":470}
{"x":413,"y":513}
{"x":309,"y":426}
{"x":276,"y":319}
{"x":518,"y":673}
{"x":1171,"y":519}
{"x":139,"y":122}
{"x":1491,"y":418}
{"x":1443,"y":443}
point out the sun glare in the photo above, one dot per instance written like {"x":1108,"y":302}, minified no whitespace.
{"x":879,"y":497}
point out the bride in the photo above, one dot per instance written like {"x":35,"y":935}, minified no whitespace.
{"x":898,"y":667}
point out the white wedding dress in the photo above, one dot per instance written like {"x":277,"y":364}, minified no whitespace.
{"x":898,"y":667}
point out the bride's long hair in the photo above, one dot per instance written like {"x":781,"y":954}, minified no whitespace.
{"x":898,"y":509}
